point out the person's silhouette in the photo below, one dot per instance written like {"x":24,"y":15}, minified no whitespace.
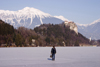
{"x":53,"y":52}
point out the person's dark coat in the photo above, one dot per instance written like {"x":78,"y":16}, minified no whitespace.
{"x":53,"y":50}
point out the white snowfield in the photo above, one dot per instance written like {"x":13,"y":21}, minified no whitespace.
{"x":39,"y":57}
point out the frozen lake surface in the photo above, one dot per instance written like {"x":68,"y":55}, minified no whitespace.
{"x":39,"y":57}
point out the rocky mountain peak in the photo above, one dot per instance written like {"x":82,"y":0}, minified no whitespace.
{"x":28,"y":17}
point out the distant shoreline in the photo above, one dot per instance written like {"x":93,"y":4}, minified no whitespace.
{"x":50,"y":46}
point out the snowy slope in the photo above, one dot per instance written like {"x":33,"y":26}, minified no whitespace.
{"x":62,"y":18}
{"x":96,"y":21}
{"x":27,"y":17}
{"x":90,"y":30}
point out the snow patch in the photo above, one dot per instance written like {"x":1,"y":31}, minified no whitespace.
{"x":85,"y":25}
{"x":61,"y":17}
{"x":96,"y":21}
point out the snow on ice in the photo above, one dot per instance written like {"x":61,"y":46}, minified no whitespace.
{"x":39,"y":57}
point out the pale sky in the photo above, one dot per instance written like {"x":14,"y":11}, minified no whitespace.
{"x":79,"y":11}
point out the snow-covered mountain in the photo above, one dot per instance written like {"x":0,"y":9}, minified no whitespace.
{"x":27,"y":17}
{"x":62,"y":18}
{"x":31,"y":17}
{"x":90,"y":30}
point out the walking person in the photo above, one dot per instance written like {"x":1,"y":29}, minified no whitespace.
{"x":53,"y":52}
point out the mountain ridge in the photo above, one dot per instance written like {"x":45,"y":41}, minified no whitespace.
{"x":90,"y":30}
{"x":85,"y":25}
{"x":27,"y":17}
{"x":30,"y":17}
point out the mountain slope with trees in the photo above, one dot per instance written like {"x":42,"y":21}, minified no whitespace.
{"x":59,"y":34}
{"x":44,"y":35}
{"x":6,"y":33}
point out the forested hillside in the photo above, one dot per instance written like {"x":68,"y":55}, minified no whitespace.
{"x":44,"y":35}
{"x":59,"y":35}
{"x":6,"y":33}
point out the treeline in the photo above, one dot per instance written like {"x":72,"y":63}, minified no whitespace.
{"x":17,"y":37}
{"x":59,"y":35}
{"x":6,"y":33}
{"x":44,"y":35}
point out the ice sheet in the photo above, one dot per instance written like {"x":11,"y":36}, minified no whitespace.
{"x":39,"y":57}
